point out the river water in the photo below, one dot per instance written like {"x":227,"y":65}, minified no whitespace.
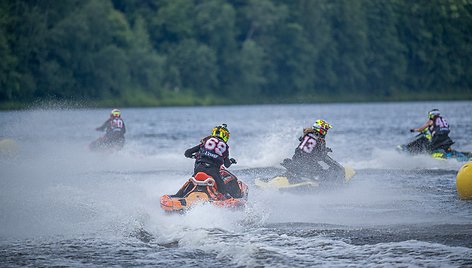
{"x":62,"y":205}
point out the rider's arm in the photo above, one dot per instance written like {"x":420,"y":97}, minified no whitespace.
{"x":103,"y":126}
{"x":227,"y":162}
{"x":332,"y":163}
{"x":423,"y":127}
{"x":307,"y":130}
{"x":323,"y":149}
{"x":189,"y":152}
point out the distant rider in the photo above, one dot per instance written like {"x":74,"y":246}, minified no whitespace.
{"x":312,"y":150}
{"x":114,"y":127}
{"x":439,"y":130}
{"x":210,"y":155}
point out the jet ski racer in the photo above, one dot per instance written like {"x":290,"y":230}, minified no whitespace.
{"x":312,"y":150}
{"x":115,"y":130}
{"x":439,"y":130}
{"x":210,"y":155}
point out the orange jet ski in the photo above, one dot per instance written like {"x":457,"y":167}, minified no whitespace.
{"x":202,"y":188}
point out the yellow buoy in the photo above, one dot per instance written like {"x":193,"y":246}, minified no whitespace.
{"x":464,"y":181}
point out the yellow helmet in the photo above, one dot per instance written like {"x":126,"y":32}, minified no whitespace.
{"x":323,"y":124}
{"x":221,"y":131}
{"x":321,"y":127}
{"x":320,"y":130}
{"x":115,"y":113}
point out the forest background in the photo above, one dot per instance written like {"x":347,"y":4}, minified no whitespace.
{"x":206,"y":52}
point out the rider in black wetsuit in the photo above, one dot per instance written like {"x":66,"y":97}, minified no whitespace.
{"x":210,"y":155}
{"x":312,"y":150}
{"x":439,"y":129}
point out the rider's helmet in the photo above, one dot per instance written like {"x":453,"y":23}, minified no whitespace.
{"x":115,"y":113}
{"x":325,"y":125}
{"x":433,"y":113}
{"x":321,"y":127}
{"x":319,"y":130}
{"x":221,"y":131}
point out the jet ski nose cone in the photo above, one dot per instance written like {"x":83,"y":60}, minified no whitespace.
{"x":464,"y":181}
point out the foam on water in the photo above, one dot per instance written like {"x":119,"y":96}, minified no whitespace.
{"x":58,"y":188}
{"x":391,"y":159}
{"x":65,"y":183}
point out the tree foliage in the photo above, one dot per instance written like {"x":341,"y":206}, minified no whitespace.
{"x":157,"y":52}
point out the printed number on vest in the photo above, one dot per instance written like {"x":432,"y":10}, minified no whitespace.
{"x":308,"y":144}
{"x":441,"y":123}
{"x":117,"y":123}
{"x":214,"y":144}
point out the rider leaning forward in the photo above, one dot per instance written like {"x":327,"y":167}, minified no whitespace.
{"x":311,"y":150}
{"x":439,"y":129}
{"x":211,"y":154}
{"x":114,"y":127}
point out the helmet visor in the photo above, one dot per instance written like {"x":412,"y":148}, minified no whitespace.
{"x":320,"y":130}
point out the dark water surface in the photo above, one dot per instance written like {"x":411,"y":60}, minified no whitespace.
{"x":62,"y":205}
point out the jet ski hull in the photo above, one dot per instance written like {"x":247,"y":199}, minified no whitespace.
{"x":283,"y":183}
{"x":420,"y":145}
{"x":203,"y":192}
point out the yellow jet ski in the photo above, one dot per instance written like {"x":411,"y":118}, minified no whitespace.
{"x":282,"y":182}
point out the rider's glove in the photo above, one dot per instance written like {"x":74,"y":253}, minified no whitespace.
{"x":329,"y":150}
{"x":412,"y":130}
{"x":233,"y":161}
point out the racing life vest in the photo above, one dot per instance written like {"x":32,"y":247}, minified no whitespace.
{"x":439,"y":126}
{"x":115,"y":128}
{"x":310,"y":145}
{"x":213,"y":150}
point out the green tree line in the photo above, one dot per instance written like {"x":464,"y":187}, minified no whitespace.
{"x":185,"y":52}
